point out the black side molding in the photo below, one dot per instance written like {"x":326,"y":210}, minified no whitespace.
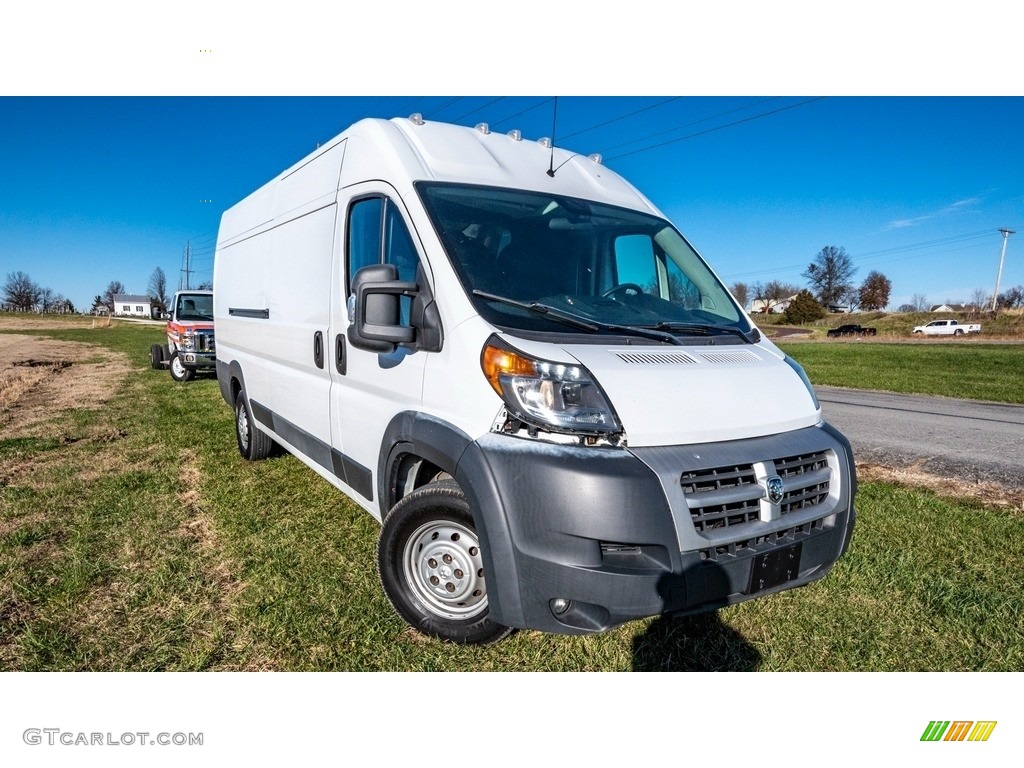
{"x":259,"y":314}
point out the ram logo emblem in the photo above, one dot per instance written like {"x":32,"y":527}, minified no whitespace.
{"x":774,"y":486}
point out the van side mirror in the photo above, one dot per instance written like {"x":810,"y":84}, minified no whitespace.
{"x":376,"y":325}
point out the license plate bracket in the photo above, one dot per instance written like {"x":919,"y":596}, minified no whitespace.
{"x":774,"y":568}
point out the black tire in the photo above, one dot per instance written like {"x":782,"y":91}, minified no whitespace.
{"x":179,"y":371}
{"x":958,"y":332}
{"x":253,"y":443}
{"x":430,"y":565}
{"x":156,"y":356}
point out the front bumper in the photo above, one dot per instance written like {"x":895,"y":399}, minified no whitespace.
{"x":198,"y":359}
{"x":582,"y":539}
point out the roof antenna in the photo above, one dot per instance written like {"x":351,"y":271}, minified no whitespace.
{"x":554,"y":118}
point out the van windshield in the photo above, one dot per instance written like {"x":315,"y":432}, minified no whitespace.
{"x":537,"y":262}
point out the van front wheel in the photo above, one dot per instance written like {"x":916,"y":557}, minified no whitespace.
{"x":431,"y":566}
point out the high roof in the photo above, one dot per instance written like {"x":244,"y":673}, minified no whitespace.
{"x":403,"y":151}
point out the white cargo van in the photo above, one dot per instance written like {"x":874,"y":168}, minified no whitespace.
{"x":507,"y":355}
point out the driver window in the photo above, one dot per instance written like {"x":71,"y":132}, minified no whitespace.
{"x":377,"y":234}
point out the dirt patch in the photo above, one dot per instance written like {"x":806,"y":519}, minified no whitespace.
{"x":41,"y":377}
{"x":988,"y":493}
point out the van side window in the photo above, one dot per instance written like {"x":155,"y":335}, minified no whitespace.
{"x":364,"y":235}
{"x":398,"y":247}
{"x":377,"y":234}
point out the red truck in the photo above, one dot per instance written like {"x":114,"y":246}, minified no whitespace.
{"x":190,"y":342}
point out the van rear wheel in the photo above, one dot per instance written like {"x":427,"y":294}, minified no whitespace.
{"x":156,"y":356}
{"x":253,"y":443}
{"x":432,"y":569}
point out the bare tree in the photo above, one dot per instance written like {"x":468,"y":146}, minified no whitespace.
{"x":874,"y":292}
{"x":158,"y":289}
{"x":829,"y":275}
{"x":113,"y":288}
{"x":979,"y":300}
{"x":1012,"y":298}
{"x":851,"y":298}
{"x":20,"y":293}
{"x":741,"y":292}
{"x":47,"y":299}
{"x":920,"y":302}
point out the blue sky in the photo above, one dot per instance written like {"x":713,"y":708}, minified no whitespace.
{"x":109,"y":188}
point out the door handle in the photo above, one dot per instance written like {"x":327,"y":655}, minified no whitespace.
{"x":318,"y":349}
{"x":339,"y":354}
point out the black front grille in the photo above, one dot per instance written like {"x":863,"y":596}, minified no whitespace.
{"x":722,"y":497}
{"x":792,"y":466}
{"x":727,"y":496}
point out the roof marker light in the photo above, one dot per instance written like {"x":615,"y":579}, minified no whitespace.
{"x":416,"y":118}
{"x":484,"y":128}
{"x":545,"y":142}
{"x":515,"y":134}
{"x":596,"y":157}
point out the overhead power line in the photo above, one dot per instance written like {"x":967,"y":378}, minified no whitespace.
{"x":621,"y":117}
{"x":540,"y":103}
{"x":474,"y":111}
{"x":728,"y":112}
{"x":717,"y":128}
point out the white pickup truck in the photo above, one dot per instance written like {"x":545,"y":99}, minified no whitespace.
{"x":947,"y":328}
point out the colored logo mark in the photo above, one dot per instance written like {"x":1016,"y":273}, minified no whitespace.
{"x":958,"y":730}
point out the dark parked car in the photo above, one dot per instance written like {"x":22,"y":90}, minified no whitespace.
{"x":852,"y":330}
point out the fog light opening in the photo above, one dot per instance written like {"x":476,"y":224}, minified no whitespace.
{"x":560,"y":605}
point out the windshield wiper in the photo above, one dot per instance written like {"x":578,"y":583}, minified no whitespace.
{"x":704,"y":330}
{"x":580,"y":322}
{"x":541,"y":309}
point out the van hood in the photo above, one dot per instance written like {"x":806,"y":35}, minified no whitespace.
{"x":699,"y":394}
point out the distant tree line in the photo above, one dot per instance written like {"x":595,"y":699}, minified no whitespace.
{"x":830,"y":281}
{"x":22,"y":294}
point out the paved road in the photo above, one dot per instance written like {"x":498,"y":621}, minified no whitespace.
{"x":965,"y":439}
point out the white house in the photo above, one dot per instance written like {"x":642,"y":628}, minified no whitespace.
{"x":775,"y":306}
{"x":131,"y":305}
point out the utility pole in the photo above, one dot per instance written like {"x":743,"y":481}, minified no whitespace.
{"x":999,"y":274}
{"x":184,"y":279}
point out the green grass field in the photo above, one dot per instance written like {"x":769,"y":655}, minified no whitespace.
{"x":969,"y":370}
{"x":134,"y":537}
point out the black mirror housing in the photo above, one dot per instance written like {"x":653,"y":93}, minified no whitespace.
{"x":377,"y":326}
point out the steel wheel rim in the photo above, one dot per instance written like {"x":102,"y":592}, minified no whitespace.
{"x":242,"y":422}
{"x":179,"y":369}
{"x":442,"y":562}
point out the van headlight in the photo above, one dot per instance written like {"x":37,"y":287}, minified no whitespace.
{"x":188,"y":341}
{"x":557,"y":396}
